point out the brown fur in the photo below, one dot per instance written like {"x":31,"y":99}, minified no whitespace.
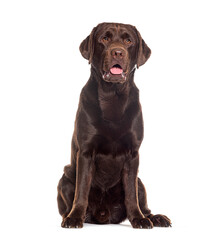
{"x":101,"y":184}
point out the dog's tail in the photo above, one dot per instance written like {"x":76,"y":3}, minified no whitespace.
{"x":102,"y":216}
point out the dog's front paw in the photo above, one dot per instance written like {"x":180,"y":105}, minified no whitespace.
{"x":72,"y":223}
{"x":161,"y":221}
{"x":141,"y":223}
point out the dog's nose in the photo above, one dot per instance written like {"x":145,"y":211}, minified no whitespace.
{"x":118,"y":53}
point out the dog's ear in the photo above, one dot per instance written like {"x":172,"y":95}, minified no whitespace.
{"x":144,"y":51}
{"x":87,"y":46}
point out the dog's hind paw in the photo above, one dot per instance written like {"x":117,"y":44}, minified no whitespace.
{"x":160,"y":221}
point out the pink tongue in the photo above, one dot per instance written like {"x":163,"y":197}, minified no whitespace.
{"x":115,"y":70}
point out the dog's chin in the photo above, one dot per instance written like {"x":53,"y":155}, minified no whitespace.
{"x":115,"y":78}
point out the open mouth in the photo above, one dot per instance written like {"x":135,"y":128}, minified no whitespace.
{"x":115,"y":74}
{"x":116,"y":69}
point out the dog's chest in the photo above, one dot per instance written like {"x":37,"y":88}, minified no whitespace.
{"x":113,"y":106}
{"x":109,"y":161}
{"x":108,"y":169}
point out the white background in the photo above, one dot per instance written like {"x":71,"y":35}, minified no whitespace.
{"x":42,"y":73}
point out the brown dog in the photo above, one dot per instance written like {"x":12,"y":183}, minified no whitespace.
{"x":101,"y":184}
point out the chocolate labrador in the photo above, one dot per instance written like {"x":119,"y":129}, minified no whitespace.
{"x":101,"y":184}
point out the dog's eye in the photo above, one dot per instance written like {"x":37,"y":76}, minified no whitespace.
{"x":105,"y":39}
{"x":128,"y":41}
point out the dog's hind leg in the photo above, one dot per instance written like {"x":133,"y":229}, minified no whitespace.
{"x":65,"y":196}
{"x":143,"y":199}
{"x":157,"y":220}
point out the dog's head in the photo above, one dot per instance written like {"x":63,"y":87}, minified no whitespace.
{"x":114,"y":50}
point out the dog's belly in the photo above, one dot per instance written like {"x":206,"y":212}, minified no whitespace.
{"x":108,"y":170}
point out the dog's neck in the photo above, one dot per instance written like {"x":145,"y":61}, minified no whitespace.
{"x":113,"y":102}
{"x":113,"y":98}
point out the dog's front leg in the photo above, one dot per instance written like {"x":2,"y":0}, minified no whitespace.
{"x":134,"y":213}
{"x":76,"y":216}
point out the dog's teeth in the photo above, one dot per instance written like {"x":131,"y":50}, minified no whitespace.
{"x":106,"y":76}
{"x":123,"y":76}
